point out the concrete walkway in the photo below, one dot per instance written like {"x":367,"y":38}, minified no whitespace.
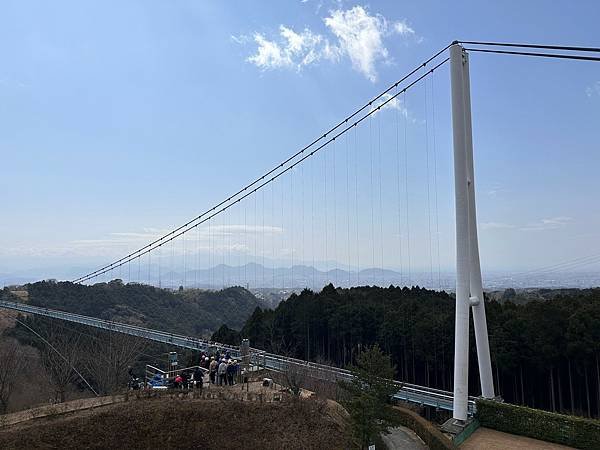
{"x":403,"y":438}
{"x":487,"y":439}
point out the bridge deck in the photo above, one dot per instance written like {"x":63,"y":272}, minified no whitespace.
{"x":412,"y":393}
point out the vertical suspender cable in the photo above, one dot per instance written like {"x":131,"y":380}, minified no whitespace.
{"x":263,"y":237}
{"x":428,"y":186}
{"x":245,"y":246}
{"x":435,"y":184}
{"x":173,"y":264}
{"x":371,"y":201}
{"x":406,"y":191}
{"x":348,"y":207}
{"x":282,"y":235}
{"x":255,"y":237}
{"x":403,"y":109}
{"x":356,"y":201}
{"x":149,"y":268}
{"x":325,"y":214}
{"x":210,"y":270}
{"x":379,"y":170}
{"x":239,"y":246}
{"x":223,"y":245}
{"x":197,"y":257}
{"x":159,"y":268}
{"x":273,"y":238}
{"x":229,"y":245}
{"x":302,"y":256}
{"x":312,"y":209}
{"x":291,"y":203}
{"x":335,"y":267}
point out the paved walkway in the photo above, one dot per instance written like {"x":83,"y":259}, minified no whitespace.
{"x":487,"y":439}
{"x":403,"y":438}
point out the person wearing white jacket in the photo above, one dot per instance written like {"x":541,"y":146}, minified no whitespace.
{"x":222,"y":372}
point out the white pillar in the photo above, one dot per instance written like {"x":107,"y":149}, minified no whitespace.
{"x":479,"y":319}
{"x":461,"y":327}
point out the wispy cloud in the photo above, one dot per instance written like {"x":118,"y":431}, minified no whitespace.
{"x":496,"y":190}
{"x":353,"y":34}
{"x":551,"y":223}
{"x":388,"y":101}
{"x":594,"y":89}
{"x":292,"y":50}
{"x":213,"y":238}
{"x":496,"y":226}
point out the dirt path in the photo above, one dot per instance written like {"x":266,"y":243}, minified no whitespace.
{"x":403,"y":438}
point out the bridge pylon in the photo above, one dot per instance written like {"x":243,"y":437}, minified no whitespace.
{"x":469,"y":290}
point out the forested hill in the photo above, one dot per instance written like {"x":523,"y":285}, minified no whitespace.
{"x":545,"y":353}
{"x":191,"y":311}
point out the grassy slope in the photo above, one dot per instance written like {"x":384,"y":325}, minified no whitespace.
{"x":183,"y":424}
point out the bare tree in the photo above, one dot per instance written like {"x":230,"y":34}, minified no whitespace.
{"x":294,"y":377}
{"x":12,"y":363}
{"x":60,"y":356}
{"x":109,"y":357}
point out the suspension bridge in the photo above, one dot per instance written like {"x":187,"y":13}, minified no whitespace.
{"x":337,"y":210}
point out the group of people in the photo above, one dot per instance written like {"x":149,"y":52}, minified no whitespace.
{"x":188,"y":379}
{"x":222,"y":369}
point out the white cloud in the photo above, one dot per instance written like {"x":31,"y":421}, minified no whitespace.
{"x":388,"y":101}
{"x":551,"y":223}
{"x":355,"y":34}
{"x":292,"y":50}
{"x":594,"y":89}
{"x":495,"y":226}
{"x":403,"y":28}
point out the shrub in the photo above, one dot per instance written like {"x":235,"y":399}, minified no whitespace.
{"x":559,"y":428}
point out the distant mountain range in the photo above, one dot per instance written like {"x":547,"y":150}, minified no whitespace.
{"x":256,"y":276}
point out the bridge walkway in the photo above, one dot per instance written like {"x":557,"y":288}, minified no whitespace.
{"x":421,"y":395}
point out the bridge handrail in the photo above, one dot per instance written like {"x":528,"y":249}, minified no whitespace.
{"x":255,"y":354}
{"x":111,"y":324}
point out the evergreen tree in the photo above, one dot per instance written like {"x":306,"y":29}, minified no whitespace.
{"x":367,"y":395}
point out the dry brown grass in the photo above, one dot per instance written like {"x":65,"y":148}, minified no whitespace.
{"x":173,"y":423}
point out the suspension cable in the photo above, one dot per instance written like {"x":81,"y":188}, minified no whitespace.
{"x":268,"y":173}
{"x":543,"y":55}
{"x":538,"y":46}
{"x":215,"y":211}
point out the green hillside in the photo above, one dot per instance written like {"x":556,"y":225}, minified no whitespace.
{"x":193,"y":311}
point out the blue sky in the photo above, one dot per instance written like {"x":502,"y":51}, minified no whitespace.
{"x":120,"y":120}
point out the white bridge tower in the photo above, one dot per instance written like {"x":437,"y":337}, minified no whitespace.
{"x":469,"y":291}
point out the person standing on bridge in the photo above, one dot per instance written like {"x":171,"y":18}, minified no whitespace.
{"x":223,"y":373}
{"x":230,"y":372}
{"x":212,"y":370}
{"x":198,"y":378}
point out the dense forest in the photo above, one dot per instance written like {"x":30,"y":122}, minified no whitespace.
{"x":191,"y":311}
{"x":545,"y":353}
